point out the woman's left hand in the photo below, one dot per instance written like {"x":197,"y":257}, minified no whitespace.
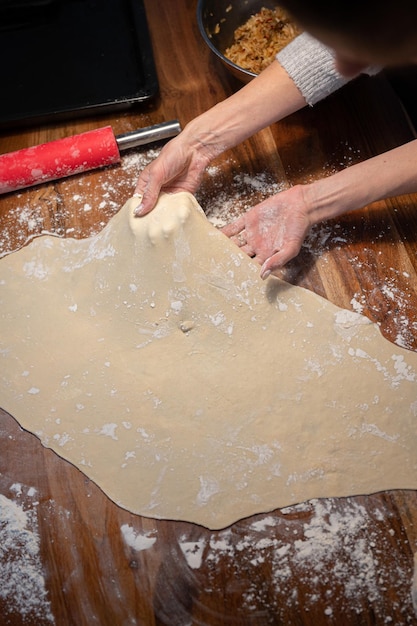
{"x":273,"y":231}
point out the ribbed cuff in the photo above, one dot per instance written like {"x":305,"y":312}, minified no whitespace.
{"x":310,"y":64}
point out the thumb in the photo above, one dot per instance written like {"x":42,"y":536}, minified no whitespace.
{"x":147,"y":202}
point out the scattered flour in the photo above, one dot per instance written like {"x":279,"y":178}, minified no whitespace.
{"x":136,"y":540}
{"x":336,"y":557}
{"x":193,"y":552}
{"x":22,"y":584}
{"x":224,"y":201}
{"x":414,"y":585}
{"x":399,"y":311}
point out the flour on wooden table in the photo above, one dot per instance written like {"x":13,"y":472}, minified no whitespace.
{"x":414,"y":585}
{"x":335,"y":558}
{"x":341,"y":550}
{"x":137,"y":541}
{"x":224,"y":200}
{"x":22,"y":583}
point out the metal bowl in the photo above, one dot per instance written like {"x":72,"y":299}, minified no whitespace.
{"x":217,"y":21}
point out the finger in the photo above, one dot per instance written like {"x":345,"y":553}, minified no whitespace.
{"x":143,"y":180}
{"x":145,"y":206}
{"x":248,"y":250}
{"x":279,"y":259}
{"x":234,"y":228}
{"x":240,"y":239}
{"x":269,"y":266}
{"x":149,"y":185}
{"x":148,"y":197}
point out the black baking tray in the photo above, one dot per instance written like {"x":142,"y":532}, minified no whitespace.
{"x":68,"y":58}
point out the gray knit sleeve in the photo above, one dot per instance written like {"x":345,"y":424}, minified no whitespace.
{"x":310,"y":64}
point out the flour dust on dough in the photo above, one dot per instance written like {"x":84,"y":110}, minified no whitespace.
{"x":154,"y":358}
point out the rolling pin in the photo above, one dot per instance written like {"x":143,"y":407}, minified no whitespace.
{"x":73,"y":155}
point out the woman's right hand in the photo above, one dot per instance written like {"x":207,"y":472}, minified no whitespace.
{"x":182,"y":161}
{"x":179,"y":167}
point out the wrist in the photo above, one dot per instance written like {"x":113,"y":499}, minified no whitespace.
{"x":322,"y":201}
{"x":335,"y":195}
{"x":203,"y":139}
{"x":269,"y":97}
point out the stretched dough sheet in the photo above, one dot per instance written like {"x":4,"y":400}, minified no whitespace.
{"x":154,"y":358}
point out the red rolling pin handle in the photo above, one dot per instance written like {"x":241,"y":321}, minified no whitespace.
{"x":58,"y":159}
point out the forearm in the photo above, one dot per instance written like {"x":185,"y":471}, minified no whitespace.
{"x":266,"y":99}
{"x":387,"y":175}
{"x":304,"y":72}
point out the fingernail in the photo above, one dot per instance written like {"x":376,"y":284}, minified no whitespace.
{"x":265,"y":274}
{"x":138,"y":211}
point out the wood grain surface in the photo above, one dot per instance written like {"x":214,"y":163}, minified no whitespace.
{"x":337,"y":561}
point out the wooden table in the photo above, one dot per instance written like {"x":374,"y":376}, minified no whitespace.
{"x":336,"y":561}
